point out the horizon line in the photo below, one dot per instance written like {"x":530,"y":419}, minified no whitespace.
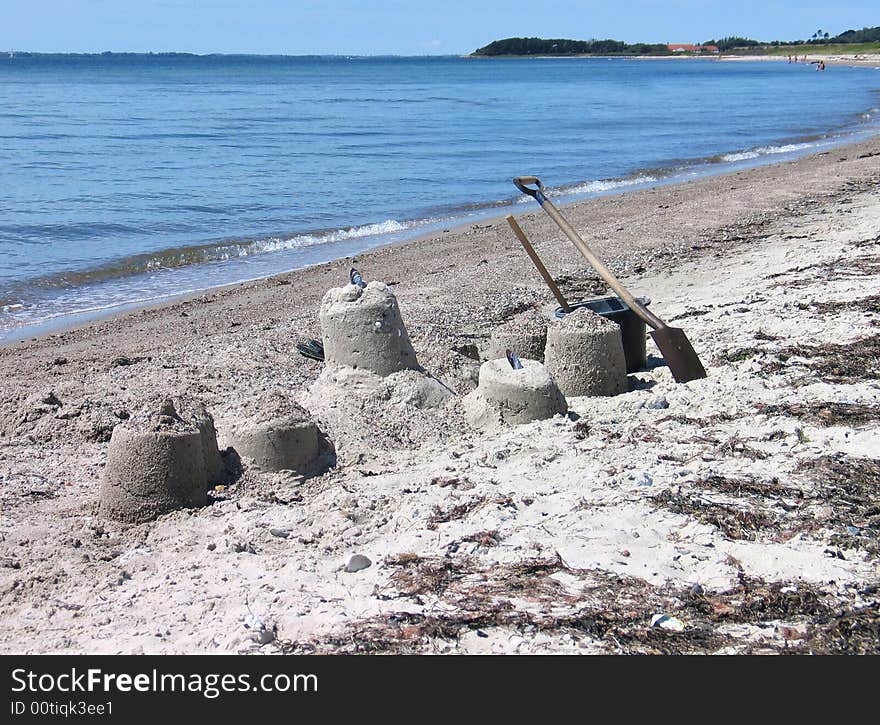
{"x":188,"y":53}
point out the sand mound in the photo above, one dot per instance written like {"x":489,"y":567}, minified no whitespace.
{"x":365,"y":413}
{"x":274,"y":433}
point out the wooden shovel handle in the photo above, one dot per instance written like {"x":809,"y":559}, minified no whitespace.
{"x":523,"y":183}
{"x":539,"y":265}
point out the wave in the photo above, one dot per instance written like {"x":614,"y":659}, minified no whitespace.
{"x":755,"y":153}
{"x":598,"y":187}
{"x":73,"y":292}
{"x":186,"y":256}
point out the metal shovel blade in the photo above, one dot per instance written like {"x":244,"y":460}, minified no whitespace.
{"x":679,"y":354}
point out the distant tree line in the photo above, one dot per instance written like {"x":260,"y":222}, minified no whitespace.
{"x":561,"y":46}
{"x":732,"y":42}
{"x":865,"y":35}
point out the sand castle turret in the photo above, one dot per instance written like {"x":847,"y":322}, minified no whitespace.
{"x":584,"y":354}
{"x":525,"y":335}
{"x":161,"y":459}
{"x":277,"y":435}
{"x":362,"y":328}
{"x":508,"y":396}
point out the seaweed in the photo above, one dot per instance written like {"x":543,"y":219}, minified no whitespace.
{"x":483,"y":538}
{"x":833,"y":362}
{"x":748,"y":486}
{"x":459,"y":511}
{"x":850,"y":485}
{"x":709,"y":420}
{"x":734,"y":522}
{"x":613,"y":610}
{"x":824,"y":413}
{"x":864,"y":304}
{"x":842,"y":363}
{"x":830,"y":271}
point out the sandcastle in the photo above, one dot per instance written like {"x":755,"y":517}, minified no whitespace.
{"x":508,"y":396}
{"x":161,"y":459}
{"x":276,"y":434}
{"x":584,"y":354}
{"x":372,"y":392}
{"x":525,"y":335}
{"x":362,"y":328}
{"x":367,"y":352}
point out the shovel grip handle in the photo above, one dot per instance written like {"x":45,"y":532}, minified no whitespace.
{"x":524,"y":184}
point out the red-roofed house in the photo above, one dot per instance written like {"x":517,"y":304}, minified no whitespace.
{"x":683,"y":48}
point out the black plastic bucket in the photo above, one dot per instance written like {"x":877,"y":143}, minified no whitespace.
{"x":632,"y":327}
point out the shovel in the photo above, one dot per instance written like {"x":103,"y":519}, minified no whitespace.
{"x":672,"y":342}
{"x":539,"y":265}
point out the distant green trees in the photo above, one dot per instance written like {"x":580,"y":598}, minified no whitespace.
{"x":561,"y":46}
{"x":733,"y":41}
{"x":820,"y":37}
{"x":865,"y":35}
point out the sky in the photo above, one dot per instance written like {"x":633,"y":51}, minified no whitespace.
{"x":398,"y":27}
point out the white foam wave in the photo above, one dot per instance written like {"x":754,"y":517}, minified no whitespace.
{"x":276,"y":244}
{"x":766,"y":151}
{"x":281,"y":244}
{"x":597,"y":187}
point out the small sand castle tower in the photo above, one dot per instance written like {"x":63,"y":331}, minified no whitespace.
{"x":508,"y":396}
{"x":525,"y":335}
{"x":161,"y":459}
{"x":585,"y":356}
{"x":362,"y":328}
{"x":276,"y":434}
{"x":372,"y":391}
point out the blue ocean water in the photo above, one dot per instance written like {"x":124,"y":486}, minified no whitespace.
{"x":128,"y":179}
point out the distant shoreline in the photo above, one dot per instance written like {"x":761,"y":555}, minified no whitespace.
{"x":858,"y":60}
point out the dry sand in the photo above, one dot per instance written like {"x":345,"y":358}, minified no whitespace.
{"x":738,"y":513}
{"x":867,"y":60}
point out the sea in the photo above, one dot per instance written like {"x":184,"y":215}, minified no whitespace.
{"x":126,"y":180}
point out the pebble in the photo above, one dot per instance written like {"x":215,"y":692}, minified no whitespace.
{"x":658,"y":403}
{"x":356,"y":562}
{"x":642,"y":478}
{"x":281,"y":533}
{"x":263,"y":636}
{"x":352,"y":532}
{"x":260,"y":632}
{"x":664,"y":621}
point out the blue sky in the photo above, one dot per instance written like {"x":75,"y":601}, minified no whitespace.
{"x":399,"y":27}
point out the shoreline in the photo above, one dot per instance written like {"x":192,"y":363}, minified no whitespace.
{"x":702,"y":169}
{"x":738,"y":507}
{"x":117,"y":317}
{"x":855,"y":60}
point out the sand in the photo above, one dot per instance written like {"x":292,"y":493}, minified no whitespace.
{"x":865,"y":60}
{"x":742,"y":508}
